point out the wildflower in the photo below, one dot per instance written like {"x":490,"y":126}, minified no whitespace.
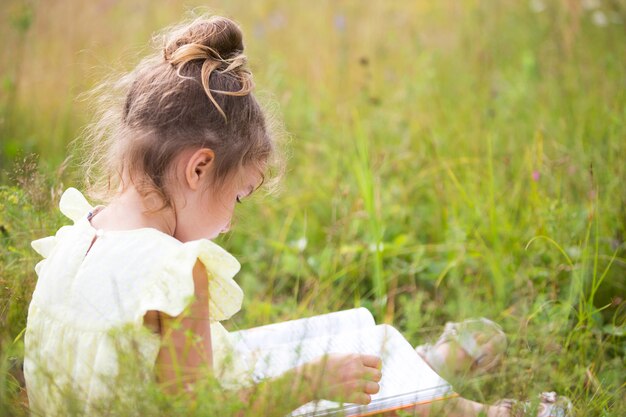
{"x":376,"y":247}
{"x":339,"y":21}
{"x":277,"y":20}
{"x":536,"y":175}
{"x":301,"y":243}
{"x":599,"y":18}
{"x":590,"y":4}
{"x":537,"y":6}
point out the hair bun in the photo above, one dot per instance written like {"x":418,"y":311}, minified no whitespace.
{"x":218,"y":43}
{"x":215,"y":35}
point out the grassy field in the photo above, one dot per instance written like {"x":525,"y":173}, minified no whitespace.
{"x":445,"y":160}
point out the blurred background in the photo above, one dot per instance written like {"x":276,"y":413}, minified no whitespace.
{"x":445,"y":160}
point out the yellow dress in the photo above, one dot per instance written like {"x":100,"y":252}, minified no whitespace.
{"x":87,"y":309}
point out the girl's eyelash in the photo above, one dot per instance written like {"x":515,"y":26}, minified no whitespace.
{"x":238,"y":200}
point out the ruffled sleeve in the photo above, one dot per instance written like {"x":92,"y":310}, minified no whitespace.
{"x":173,"y":288}
{"x":74,"y":206}
{"x":44,"y":245}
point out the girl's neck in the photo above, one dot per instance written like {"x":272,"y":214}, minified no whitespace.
{"x":130,"y":210}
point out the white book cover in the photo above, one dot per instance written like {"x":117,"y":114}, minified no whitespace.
{"x":406,"y":378}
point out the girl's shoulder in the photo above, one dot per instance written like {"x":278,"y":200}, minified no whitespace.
{"x":79,"y":239}
{"x":162,"y":265}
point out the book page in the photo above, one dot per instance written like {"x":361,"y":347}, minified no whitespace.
{"x":261,"y":338}
{"x":406,"y":379}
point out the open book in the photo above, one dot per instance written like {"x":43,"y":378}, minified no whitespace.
{"x":407,"y":379}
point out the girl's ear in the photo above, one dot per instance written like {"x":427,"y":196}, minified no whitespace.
{"x":198,"y":167}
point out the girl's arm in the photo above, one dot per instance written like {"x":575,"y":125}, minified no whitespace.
{"x":186,"y":357}
{"x":186,"y":354}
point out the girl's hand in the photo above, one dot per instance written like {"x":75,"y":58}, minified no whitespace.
{"x":344,"y":377}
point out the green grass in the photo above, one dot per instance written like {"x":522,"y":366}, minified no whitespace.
{"x":446,"y":160}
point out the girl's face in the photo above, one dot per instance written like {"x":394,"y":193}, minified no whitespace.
{"x":203,"y":212}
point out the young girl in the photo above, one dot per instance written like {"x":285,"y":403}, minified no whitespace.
{"x":140,"y":276}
